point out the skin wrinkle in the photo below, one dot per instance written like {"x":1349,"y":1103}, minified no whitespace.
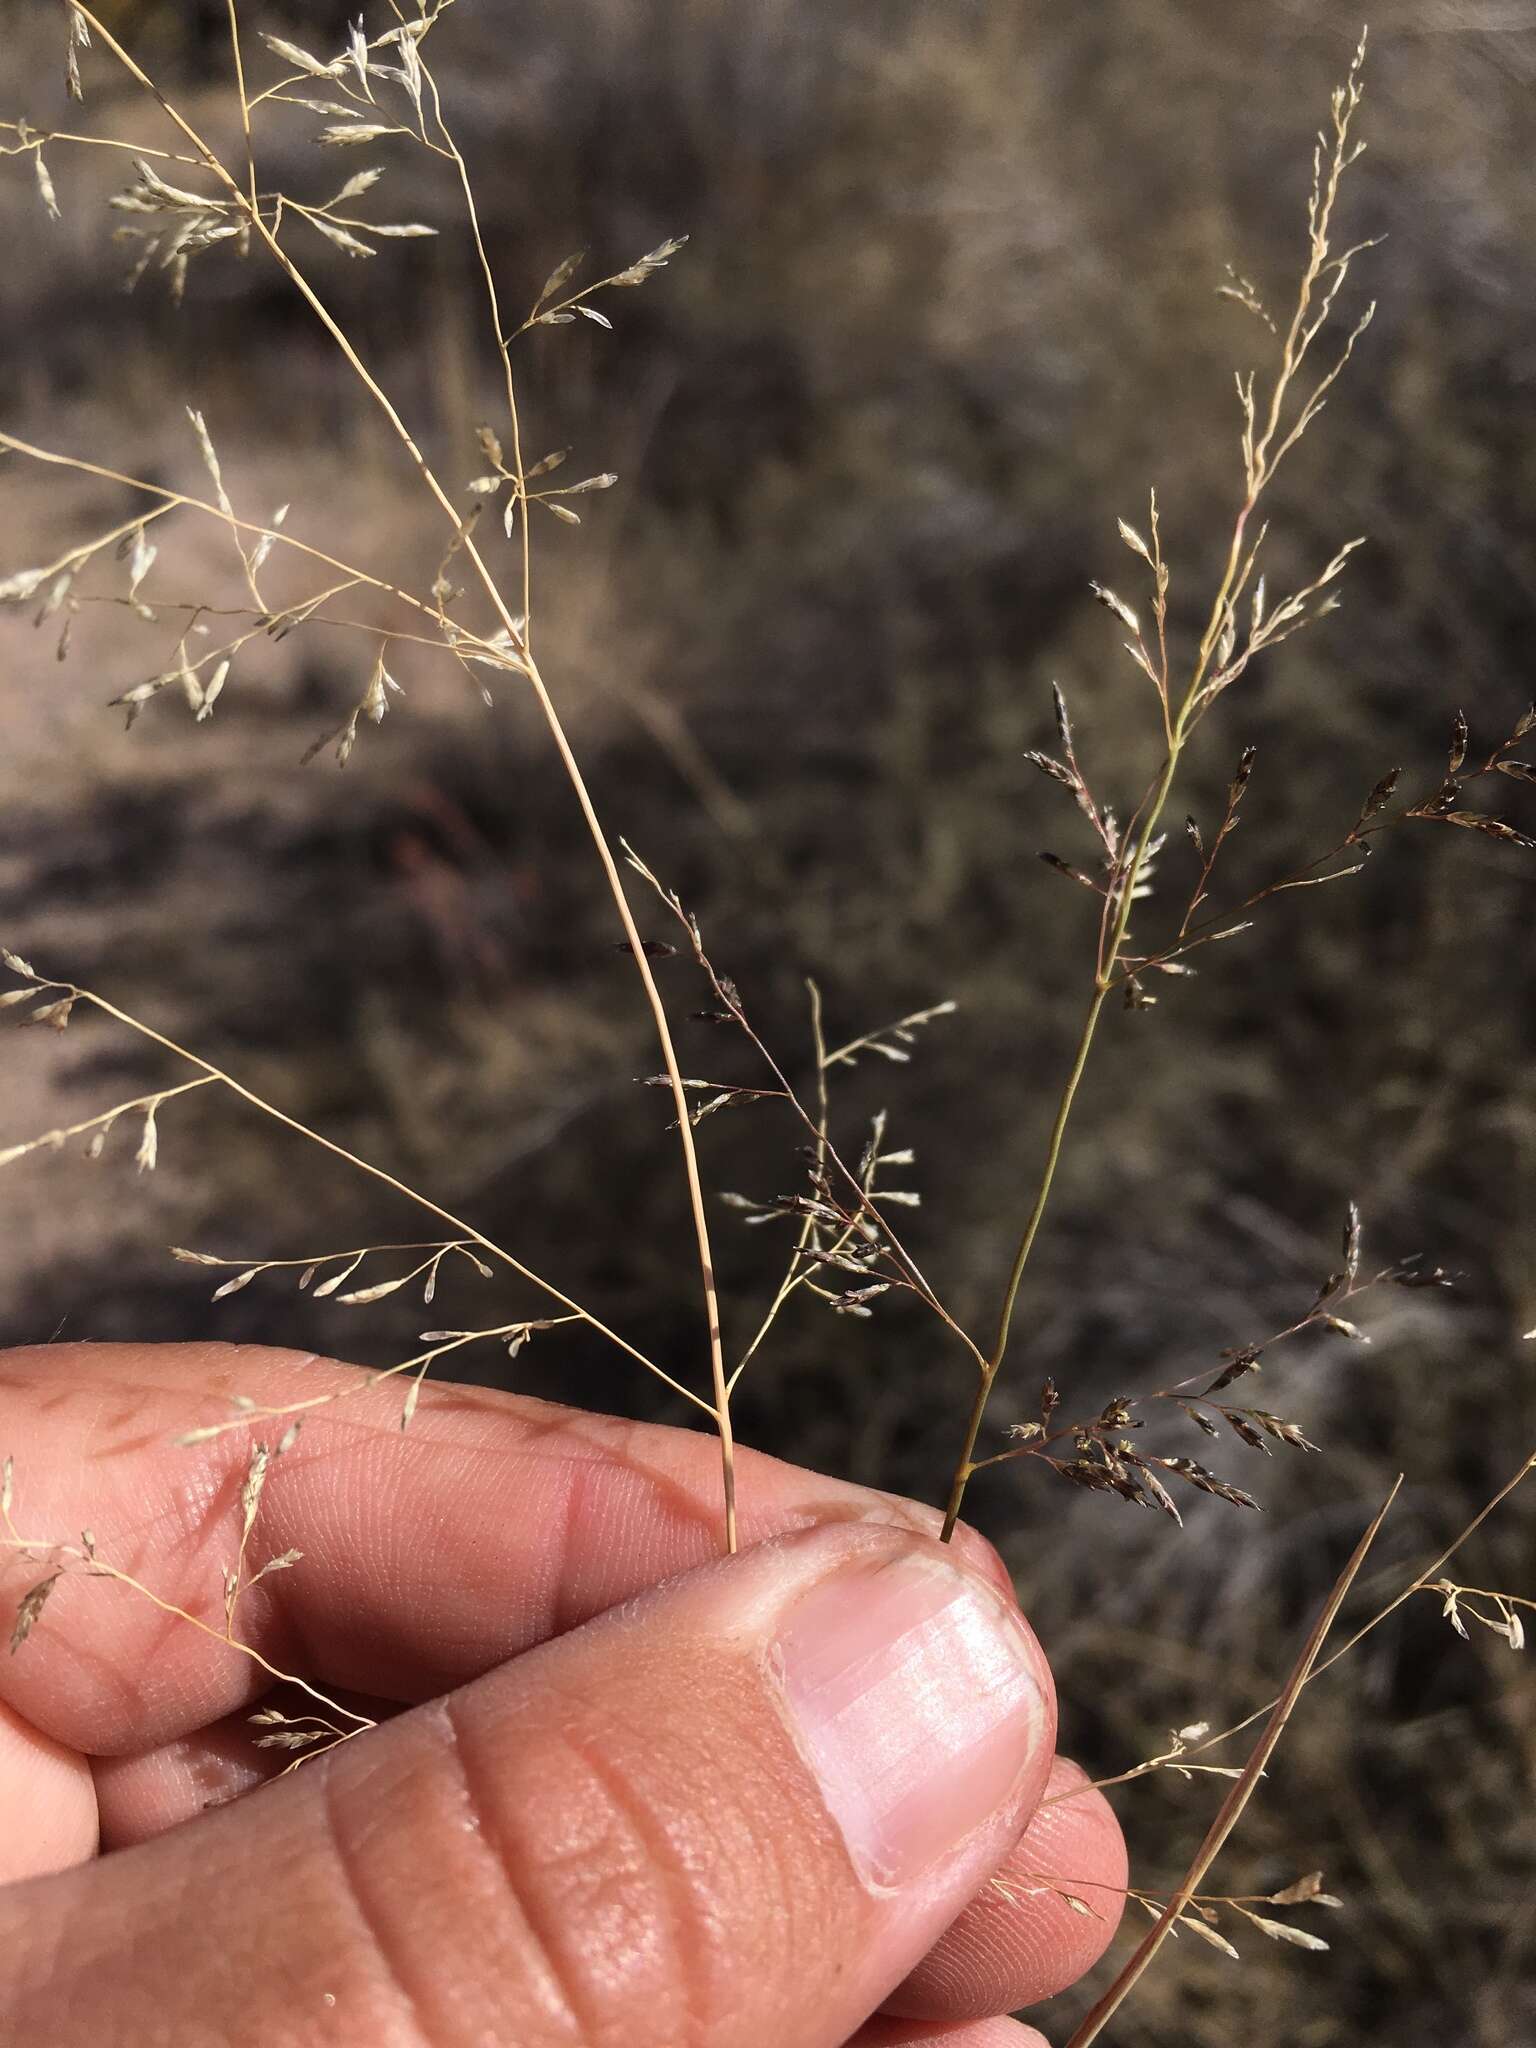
{"x":712,"y":1863}
{"x":354,"y":1896}
{"x":687,"y":1928}
{"x":801,"y":1925}
{"x":350,"y":1504}
{"x":612,"y":1442}
{"x":563,"y":1605}
{"x":561,"y":1962}
{"x":653,"y":1499}
{"x":490,"y":1838}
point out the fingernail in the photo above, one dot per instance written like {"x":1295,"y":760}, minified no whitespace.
{"x":913,"y":1689}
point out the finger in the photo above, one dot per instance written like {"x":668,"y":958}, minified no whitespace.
{"x":140,"y":1796}
{"x":1022,"y":1938}
{"x":993,"y":2033}
{"x":1016,"y":1943}
{"x":47,"y":1800}
{"x":492,"y":1523}
{"x":734,"y":1810}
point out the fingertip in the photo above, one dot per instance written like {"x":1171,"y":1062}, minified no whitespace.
{"x":1043,"y":1920}
{"x":48,"y":1800}
{"x":983,"y":1556}
{"x":991,"y":2033}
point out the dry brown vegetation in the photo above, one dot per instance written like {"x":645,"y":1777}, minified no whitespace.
{"x":948,"y":307}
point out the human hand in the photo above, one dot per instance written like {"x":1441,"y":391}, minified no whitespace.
{"x":646,"y":1796}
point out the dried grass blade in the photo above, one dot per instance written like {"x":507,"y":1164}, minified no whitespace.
{"x":1232,"y":1806}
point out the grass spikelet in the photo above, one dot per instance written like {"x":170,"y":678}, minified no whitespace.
{"x":844,"y":1228}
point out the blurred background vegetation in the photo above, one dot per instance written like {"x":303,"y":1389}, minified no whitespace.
{"x":947,"y":309}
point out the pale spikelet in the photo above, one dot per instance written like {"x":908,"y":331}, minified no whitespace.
{"x":562,"y":273}
{"x":344,"y":136}
{"x":285,"y":1561}
{"x":358,"y":1296}
{"x":1463,"y":1603}
{"x":79,"y":38}
{"x":893,"y":1042}
{"x":45,"y":190}
{"x":211,"y":464}
{"x":301,"y":59}
{"x":30,"y":1607}
{"x":1117,"y":605}
{"x":141,"y":559}
{"x":1280,"y":1930}
{"x":372,"y":705}
{"x":23,"y":585}
{"x":55,"y":1014}
{"x":264,"y":546}
{"x":375,"y":698}
{"x":648,"y":265}
{"x":177,"y":225}
{"x":357,"y":52}
{"x":149,"y":1143}
{"x":1304,"y":1891}
{"x":211,"y":689}
{"x":252,"y":1487}
{"x":211,"y":461}
{"x":230,"y":1286}
{"x":291,"y":1738}
{"x":1216,"y":1939}
{"x":1134,"y":541}
{"x":340,"y":237}
{"x":337,"y":1279}
{"x":563,"y":312}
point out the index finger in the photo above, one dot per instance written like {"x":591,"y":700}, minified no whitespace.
{"x":493,"y":1523}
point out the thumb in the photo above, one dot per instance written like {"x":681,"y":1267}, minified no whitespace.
{"x":737,"y":1809}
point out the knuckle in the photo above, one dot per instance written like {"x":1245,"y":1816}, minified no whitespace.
{"x":606,"y":1903}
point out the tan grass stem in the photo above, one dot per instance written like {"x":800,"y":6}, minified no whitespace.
{"x":721,"y":1405}
{"x":1233,"y":1806}
{"x":1259,"y":470}
{"x":379,"y":1173}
